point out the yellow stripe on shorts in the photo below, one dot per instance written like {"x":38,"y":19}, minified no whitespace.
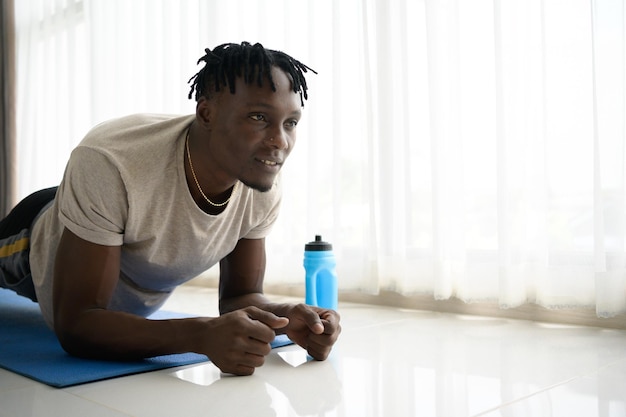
{"x":14,"y":247}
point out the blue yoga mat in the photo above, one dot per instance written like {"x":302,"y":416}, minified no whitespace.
{"x":28,"y":347}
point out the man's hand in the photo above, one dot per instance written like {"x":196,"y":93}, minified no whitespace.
{"x":238,"y":341}
{"x":241,"y":285}
{"x":314,"y":329}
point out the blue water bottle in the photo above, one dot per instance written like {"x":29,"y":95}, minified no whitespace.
{"x":321,"y":278}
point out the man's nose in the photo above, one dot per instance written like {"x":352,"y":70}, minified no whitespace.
{"x":278,"y":139}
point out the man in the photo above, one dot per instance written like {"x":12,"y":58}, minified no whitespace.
{"x":148,"y":202}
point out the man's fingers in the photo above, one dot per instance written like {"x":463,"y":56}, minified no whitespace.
{"x":269,"y":319}
{"x":328,"y":323}
{"x":263,"y":323}
{"x":245,"y":366}
{"x":320,"y":345}
{"x":257,"y":347}
{"x":248,"y":332}
{"x":311,"y":318}
{"x":331,"y":320}
{"x":329,"y":336}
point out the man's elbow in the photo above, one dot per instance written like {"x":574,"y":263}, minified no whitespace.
{"x":74,"y":339}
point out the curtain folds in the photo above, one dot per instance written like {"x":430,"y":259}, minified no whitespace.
{"x":471,"y":150}
{"x":7,"y":111}
{"x":53,"y":94}
{"x":609,"y":152}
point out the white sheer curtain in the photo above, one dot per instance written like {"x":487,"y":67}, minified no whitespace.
{"x":51,"y":75}
{"x":468,"y":149}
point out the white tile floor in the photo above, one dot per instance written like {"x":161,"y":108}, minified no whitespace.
{"x":388,"y":362}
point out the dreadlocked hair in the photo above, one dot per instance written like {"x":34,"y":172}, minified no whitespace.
{"x":253,"y":63}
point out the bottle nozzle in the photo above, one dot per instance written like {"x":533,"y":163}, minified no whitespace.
{"x":318,"y":245}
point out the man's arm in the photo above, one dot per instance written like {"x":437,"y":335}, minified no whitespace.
{"x":85,"y":277}
{"x":241,"y":284}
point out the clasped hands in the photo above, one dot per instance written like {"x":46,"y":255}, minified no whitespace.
{"x":240,"y":340}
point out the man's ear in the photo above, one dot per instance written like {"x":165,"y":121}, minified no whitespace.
{"x":204,"y":111}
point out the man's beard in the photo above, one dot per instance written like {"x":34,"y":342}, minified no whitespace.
{"x":258,"y":187}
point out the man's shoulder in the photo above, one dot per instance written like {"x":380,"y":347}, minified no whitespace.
{"x":139,"y":124}
{"x":134,"y":145}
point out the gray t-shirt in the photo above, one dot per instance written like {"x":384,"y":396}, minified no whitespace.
{"x":125,"y":185}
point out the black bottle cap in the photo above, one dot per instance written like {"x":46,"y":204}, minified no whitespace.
{"x":318,"y":245}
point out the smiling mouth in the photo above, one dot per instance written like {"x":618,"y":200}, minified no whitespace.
{"x":268,"y":163}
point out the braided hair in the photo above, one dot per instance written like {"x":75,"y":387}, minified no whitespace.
{"x":253,"y":63}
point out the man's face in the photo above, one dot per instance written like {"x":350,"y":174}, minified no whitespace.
{"x":253,"y":131}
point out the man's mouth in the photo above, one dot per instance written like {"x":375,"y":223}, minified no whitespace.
{"x":268,"y":162}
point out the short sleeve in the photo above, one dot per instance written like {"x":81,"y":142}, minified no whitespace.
{"x":93,"y":203}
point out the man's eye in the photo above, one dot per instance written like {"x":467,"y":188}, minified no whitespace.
{"x":291,"y":123}
{"x":257,"y":117}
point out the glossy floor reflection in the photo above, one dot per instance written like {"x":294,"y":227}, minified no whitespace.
{"x":388,"y":362}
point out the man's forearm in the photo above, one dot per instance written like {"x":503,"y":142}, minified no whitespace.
{"x":112,"y":335}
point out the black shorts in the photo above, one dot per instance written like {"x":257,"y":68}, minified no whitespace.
{"x":15,"y":232}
